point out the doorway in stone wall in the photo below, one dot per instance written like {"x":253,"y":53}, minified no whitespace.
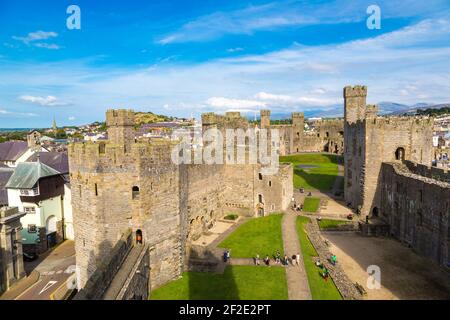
{"x":139,"y":236}
{"x":260,"y":212}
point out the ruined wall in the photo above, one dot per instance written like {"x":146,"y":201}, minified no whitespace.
{"x":205,"y":198}
{"x":417,"y":209}
{"x":276,"y":190}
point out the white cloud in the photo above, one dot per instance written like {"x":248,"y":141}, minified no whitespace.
{"x":226,"y":104}
{"x":33,"y":37}
{"x":43,"y":101}
{"x":72,"y":118}
{"x":50,"y":46}
{"x":282,"y":14}
{"x":5,"y":112}
{"x":232,"y":50}
{"x":290,"y":100}
{"x":417,"y":56}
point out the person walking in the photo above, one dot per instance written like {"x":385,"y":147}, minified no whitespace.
{"x":297,"y":260}
{"x":286,"y":260}
{"x":257,"y":260}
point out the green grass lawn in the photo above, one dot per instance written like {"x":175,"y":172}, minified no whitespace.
{"x":236,"y":283}
{"x":311,"y":204}
{"x":321,"y":177}
{"x":320,"y":290}
{"x":330,"y":224}
{"x":257,"y":236}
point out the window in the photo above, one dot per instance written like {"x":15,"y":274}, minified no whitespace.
{"x":260,"y":198}
{"x":135,"y":192}
{"x":32,"y":228}
{"x":400,"y":154}
{"x":260,"y":176}
{"x":29,"y":192}
{"x":96,"y":189}
{"x":270,"y":183}
{"x":29,"y":210}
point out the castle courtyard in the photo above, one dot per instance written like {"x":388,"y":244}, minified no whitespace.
{"x":404,"y":274}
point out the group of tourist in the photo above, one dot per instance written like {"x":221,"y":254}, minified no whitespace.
{"x":295,"y":260}
{"x":296,"y":207}
{"x":325,"y":273}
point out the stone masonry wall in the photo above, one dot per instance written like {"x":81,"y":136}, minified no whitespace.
{"x":417,"y":209}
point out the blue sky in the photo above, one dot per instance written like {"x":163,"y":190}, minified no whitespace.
{"x":188,"y":57}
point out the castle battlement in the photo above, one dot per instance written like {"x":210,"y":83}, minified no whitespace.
{"x":119,"y":117}
{"x":439,"y":174}
{"x":356,"y":91}
{"x":401,"y":121}
{"x":107,"y":153}
{"x":264,"y":113}
{"x":298,"y":115}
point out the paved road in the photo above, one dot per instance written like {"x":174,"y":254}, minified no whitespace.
{"x":54,"y":269}
{"x":297,"y":281}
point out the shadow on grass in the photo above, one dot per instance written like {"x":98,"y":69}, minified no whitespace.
{"x":319,"y":181}
{"x":205,"y":282}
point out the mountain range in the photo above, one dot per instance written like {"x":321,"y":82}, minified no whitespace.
{"x":336,"y":111}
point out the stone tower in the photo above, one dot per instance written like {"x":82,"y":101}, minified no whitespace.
{"x":370,"y":140}
{"x":33,"y":139}
{"x":298,"y":125}
{"x":265,"y":119}
{"x":120,"y":125}
{"x":354,"y":103}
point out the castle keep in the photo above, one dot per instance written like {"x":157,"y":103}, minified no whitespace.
{"x":388,"y":176}
{"x":127,"y":184}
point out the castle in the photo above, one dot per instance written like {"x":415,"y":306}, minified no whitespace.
{"x":389,"y":178}
{"x":328,"y":135}
{"x":127,"y":188}
{"x":126,"y":184}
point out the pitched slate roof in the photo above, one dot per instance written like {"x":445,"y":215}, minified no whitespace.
{"x":27,"y":174}
{"x":5,"y":174}
{"x":12,"y":150}
{"x":55,"y":160}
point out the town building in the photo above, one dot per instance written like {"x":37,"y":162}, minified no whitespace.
{"x":38,"y":191}
{"x":11,"y":256}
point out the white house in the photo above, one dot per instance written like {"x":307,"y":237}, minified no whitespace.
{"x":38,"y":190}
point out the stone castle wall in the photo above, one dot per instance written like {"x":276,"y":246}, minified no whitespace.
{"x":123,"y":183}
{"x":417,"y":208}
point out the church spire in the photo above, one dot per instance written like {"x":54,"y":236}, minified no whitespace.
{"x":54,"y":126}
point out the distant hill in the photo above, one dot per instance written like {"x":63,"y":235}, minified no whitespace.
{"x":150,"y":117}
{"x":336,"y":111}
{"x":414,"y":110}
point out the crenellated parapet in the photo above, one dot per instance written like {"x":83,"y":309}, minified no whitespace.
{"x":355,"y":91}
{"x":98,"y":157}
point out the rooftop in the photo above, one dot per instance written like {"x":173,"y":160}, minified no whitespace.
{"x":27,"y":174}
